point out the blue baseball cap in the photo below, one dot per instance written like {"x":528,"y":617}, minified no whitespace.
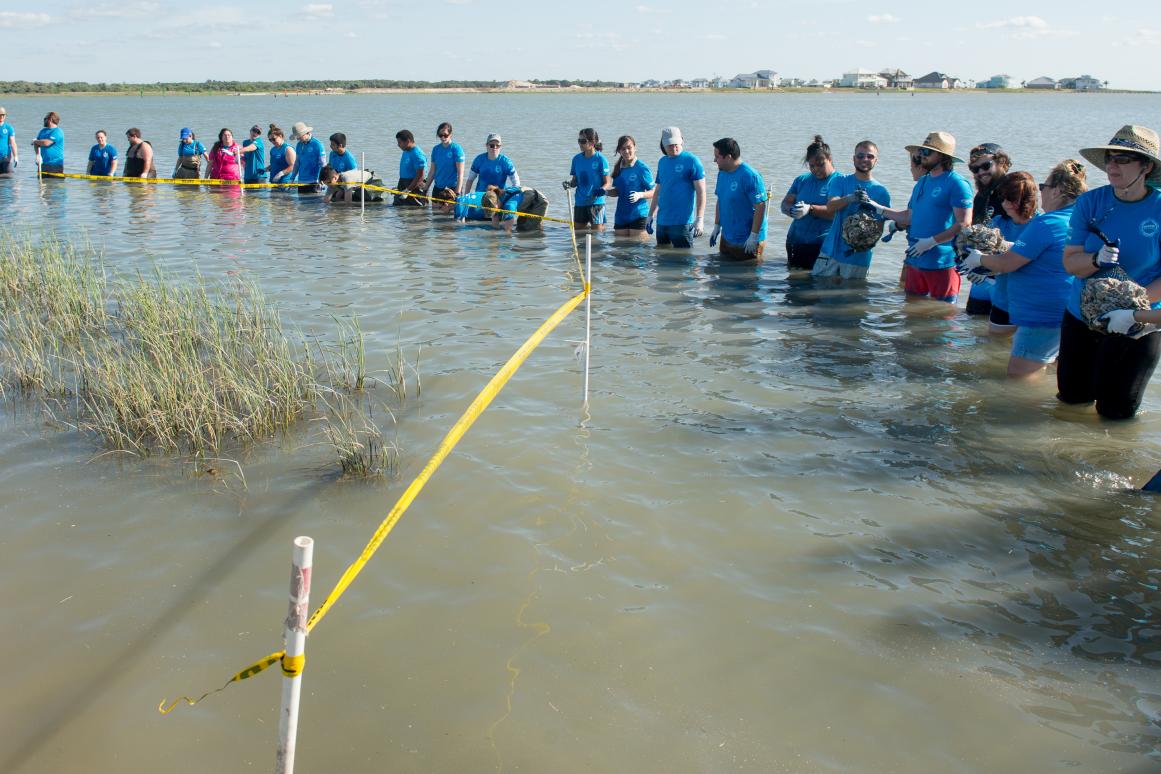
{"x":186,"y":133}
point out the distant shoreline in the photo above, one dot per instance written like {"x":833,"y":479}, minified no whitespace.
{"x":156,"y":92}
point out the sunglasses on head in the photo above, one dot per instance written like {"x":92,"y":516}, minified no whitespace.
{"x":985,"y":166}
{"x":1121,"y":159}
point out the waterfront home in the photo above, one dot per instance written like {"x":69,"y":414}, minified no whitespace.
{"x":1043,"y":82}
{"x":996,"y":82}
{"x":937,"y":80}
{"x":862,"y":79}
{"x":1081,"y":83}
{"x":896,"y":78}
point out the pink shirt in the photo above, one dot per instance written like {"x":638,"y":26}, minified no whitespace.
{"x":224,"y":163}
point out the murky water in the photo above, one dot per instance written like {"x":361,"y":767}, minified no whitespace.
{"x":803,"y":529}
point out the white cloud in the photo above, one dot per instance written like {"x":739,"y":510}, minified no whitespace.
{"x":885,"y":18}
{"x":120,"y":11}
{"x":714,"y":36}
{"x":214,"y":44}
{"x":1019,"y":22}
{"x":14,"y":20}
{"x":1145,"y":37}
{"x":350,"y":35}
{"x":317,"y":10}
{"x":651,"y":9}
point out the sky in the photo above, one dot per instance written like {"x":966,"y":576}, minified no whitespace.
{"x":145,"y":41}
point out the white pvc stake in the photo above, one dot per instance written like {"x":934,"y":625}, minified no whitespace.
{"x":295,"y":644}
{"x":588,"y":309}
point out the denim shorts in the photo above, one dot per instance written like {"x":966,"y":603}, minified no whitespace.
{"x":678,"y":236}
{"x":1041,"y":344}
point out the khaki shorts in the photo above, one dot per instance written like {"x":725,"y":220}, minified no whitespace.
{"x":829,"y":267}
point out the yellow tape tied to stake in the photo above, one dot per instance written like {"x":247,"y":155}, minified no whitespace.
{"x":294,"y":665}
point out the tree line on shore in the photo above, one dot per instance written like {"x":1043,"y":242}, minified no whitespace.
{"x":61,"y":87}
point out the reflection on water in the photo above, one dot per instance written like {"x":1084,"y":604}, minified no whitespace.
{"x":804,"y":526}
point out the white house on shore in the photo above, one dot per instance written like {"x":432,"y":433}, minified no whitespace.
{"x":1043,"y":82}
{"x":759,"y":79}
{"x":862,"y":79}
{"x":1081,"y":83}
{"x":897,"y":79}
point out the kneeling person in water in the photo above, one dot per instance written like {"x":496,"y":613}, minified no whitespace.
{"x":352,"y":192}
{"x":740,"y":217}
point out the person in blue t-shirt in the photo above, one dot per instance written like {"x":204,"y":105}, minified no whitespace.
{"x":8,"y":156}
{"x":988,"y":163}
{"x":492,"y":167}
{"x":589,"y":175}
{"x":309,"y":158}
{"x":102,"y":157}
{"x":412,"y":171}
{"x":254,"y":157}
{"x":1117,"y":225}
{"x":49,"y":144}
{"x":678,"y":201}
{"x":806,"y":203}
{"x":340,"y":159}
{"x":1037,"y":283}
{"x":190,"y":155}
{"x":445,"y":173}
{"x":1017,"y":195}
{"x":940,"y":207}
{"x":282,"y":156}
{"x":838,"y":259}
{"x":632,"y":187}
{"x":740,"y":216}
{"x":478,"y":205}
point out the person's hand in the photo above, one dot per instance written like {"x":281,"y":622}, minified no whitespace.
{"x":567,"y":184}
{"x":15,"y":163}
{"x":1124,"y":322}
{"x":649,"y":224}
{"x":715,"y":234}
{"x":976,"y":277}
{"x":892,"y":227}
{"x":1107,"y":257}
{"x":972,"y":261}
{"x":921,"y":247}
{"x":698,"y":227}
{"x":751,"y":245}
{"x":634,"y":197}
{"x":799,"y":210}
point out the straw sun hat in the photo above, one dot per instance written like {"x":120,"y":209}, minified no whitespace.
{"x":940,"y":142}
{"x":299,"y":129}
{"x":1132,"y":139}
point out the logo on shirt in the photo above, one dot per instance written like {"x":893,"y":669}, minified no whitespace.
{"x":822,"y":191}
{"x":734,"y":186}
{"x":595,"y":164}
{"x":1149,"y":228}
{"x":632,"y":177}
{"x":496,"y":168}
{"x":936,"y":191}
{"x":679,"y":168}
{"x":1018,"y":243}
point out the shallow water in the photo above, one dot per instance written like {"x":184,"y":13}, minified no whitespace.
{"x":800,"y":529}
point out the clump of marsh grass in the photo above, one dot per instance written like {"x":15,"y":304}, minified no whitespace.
{"x":151,"y":366}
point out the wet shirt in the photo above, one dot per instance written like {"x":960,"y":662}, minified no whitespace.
{"x":102,"y":159}
{"x":343,"y":162}
{"x":739,"y":192}
{"x":1136,"y":224}
{"x":468,"y":206}
{"x":6,"y":133}
{"x":445,"y":160}
{"x":811,"y":230}
{"x":1011,"y":231}
{"x":309,"y":156}
{"x":590,"y":172}
{"x":630,"y":179}
{"x":931,"y":205}
{"x":834,"y":246}
{"x":224,"y":163}
{"x":1038,"y":291}
{"x":194,"y":148}
{"x":411,"y":163}
{"x":676,"y":176}
{"x":492,"y":172}
{"x":278,"y":160}
{"x":255,"y":161}
{"x":53,"y":154}
{"x":512,"y":200}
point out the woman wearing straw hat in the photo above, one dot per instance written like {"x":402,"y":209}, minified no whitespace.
{"x":309,"y":155}
{"x":1115,"y":225}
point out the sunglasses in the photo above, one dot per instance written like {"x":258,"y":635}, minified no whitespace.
{"x":924,"y":152}
{"x":984,"y":167}
{"x":493,"y":145}
{"x":582,"y":140}
{"x":865,"y":156}
{"x":1121,"y":159}
{"x":443,"y":136}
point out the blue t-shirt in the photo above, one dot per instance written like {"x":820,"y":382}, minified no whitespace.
{"x":53,"y":154}
{"x":1038,"y":291}
{"x":739,"y":192}
{"x":342,"y":162}
{"x":468,"y":206}
{"x":834,"y":246}
{"x":931,"y":205}
{"x":676,"y":176}
{"x":811,"y":230}
{"x":194,"y":148}
{"x":511,"y":200}
{"x":590,"y":175}
{"x":445,"y":160}
{"x":1011,"y":231}
{"x":102,"y":159}
{"x":1135,"y":224}
{"x":6,"y":132}
{"x":411,"y":163}
{"x":492,"y":172}
{"x":630,"y":179}
{"x":309,"y":157}
{"x":278,"y":161}
{"x":254,"y":162}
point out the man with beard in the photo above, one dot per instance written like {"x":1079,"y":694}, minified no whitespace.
{"x":837,"y":259}
{"x":939,"y":208}
{"x":988,"y":164}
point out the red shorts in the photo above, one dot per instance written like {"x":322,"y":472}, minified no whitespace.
{"x":940,"y":284}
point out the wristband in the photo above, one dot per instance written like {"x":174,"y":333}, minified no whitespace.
{"x":1095,"y":264}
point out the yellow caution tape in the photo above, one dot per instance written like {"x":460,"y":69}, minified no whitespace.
{"x":293,"y":665}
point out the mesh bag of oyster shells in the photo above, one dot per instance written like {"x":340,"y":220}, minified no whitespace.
{"x":862,"y":231}
{"x":1107,"y":290}
{"x":986,"y":239}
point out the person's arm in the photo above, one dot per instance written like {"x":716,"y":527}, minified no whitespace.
{"x":429,"y":179}
{"x":89,"y":166}
{"x":962,"y":219}
{"x":43,"y":143}
{"x":699,"y":191}
{"x":759,"y":217}
{"x":12,"y":148}
{"x":820,"y":211}
{"x":459,"y":178}
{"x":146,"y":154}
{"x":1080,"y":263}
{"x":250,"y":148}
{"x":292,"y":159}
{"x":467,"y":187}
{"x":1005,"y":263}
{"x":113,"y":166}
{"x":654,"y":200}
{"x":417,"y":180}
{"x":514,"y":176}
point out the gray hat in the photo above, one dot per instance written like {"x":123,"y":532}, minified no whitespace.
{"x":3,"y":112}
{"x":299,"y":129}
{"x":671,"y":135}
{"x":493,"y":138}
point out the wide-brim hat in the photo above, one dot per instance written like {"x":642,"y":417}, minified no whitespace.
{"x":299,"y":129}
{"x":1130,"y":139}
{"x":940,"y":142}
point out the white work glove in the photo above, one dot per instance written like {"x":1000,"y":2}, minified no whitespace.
{"x":921,"y":247}
{"x":892,"y":227}
{"x":976,"y":277}
{"x":634,"y":197}
{"x":567,"y":184}
{"x":1107,"y":257}
{"x":799,"y":210}
{"x":751,"y":245}
{"x":715,"y":234}
{"x":1122,"y":321}
{"x":698,"y":227}
{"x":972,"y":261}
